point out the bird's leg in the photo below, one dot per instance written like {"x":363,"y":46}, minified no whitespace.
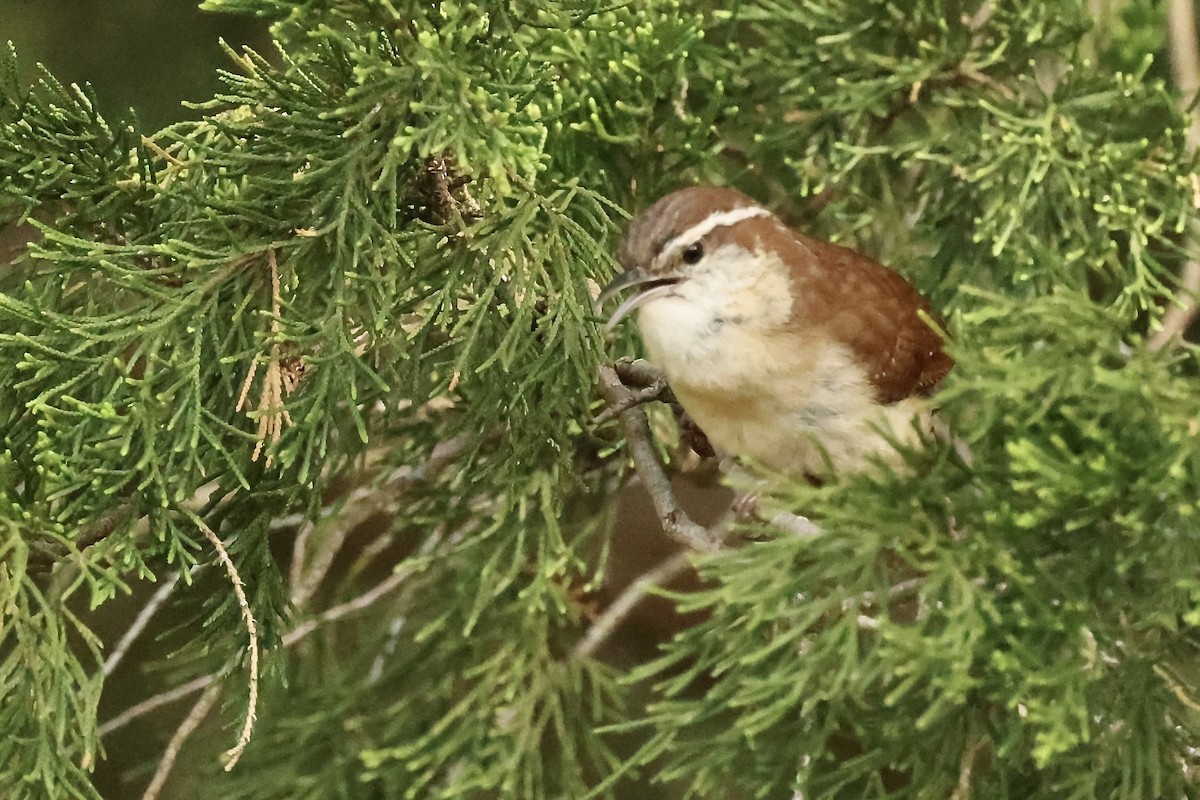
{"x":745,"y":505}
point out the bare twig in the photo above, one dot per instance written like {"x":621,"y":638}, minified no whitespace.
{"x":307,"y":577}
{"x":620,"y":608}
{"x":360,"y":505}
{"x":898,"y":590}
{"x":638,"y":372}
{"x":980,"y":17}
{"x":675,"y":522}
{"x":966,"y":767}
{"x":1185,"y":68}
{"x":1176,"y":686}
{"x":235,"y":752}
{"x":367,"y":598}
{"x":186,"y":728}
{"x":152,"y":145}
{"x":652,"y":385}
{"x":104,"y":526}
{"x":139,"y":623}
{"x":300,"y":550}
{"x":156,"y":702}
{"x":1185,"y":57}
{"x":353,"y":606}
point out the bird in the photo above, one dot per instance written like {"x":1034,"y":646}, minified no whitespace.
{"x":791,"y":352}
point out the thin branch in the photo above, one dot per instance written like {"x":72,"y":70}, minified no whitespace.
{"x":186,"y":728}
{"x":652,"y":385}
{"x":1185,"y":68}
{"x":1176,"y":687}
{"x":352,"y":606}
{"x":307,"y":578}
{"x":156,"y":702}
{"x":638,"y":372}
{"x":643,"y":395}
{"x":367,"y":598}
{"x":299,"y":552}
{"x":1185,"y":57}
{"x":162,"y":153}
{"x":360,"y":505}
{"x":607,"y":623}
{"x":675,"y":522}
{"x":966,"y":766}
{"x":900,"y":589}
{"x":104,"y":526}
{"x":143,"y":618}
{"x":235,"y":752}
{"x":400,"y":481}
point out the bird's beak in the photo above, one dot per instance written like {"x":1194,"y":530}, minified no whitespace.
{"x":650,"y":286}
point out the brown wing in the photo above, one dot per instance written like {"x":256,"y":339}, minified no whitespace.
{"x":875,"y":312}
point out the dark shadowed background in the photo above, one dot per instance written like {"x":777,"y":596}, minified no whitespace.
{"x":148,"y":55}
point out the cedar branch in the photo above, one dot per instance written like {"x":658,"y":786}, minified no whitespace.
{"x":675,"y":521}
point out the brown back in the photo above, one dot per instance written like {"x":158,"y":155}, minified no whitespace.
{"x":875,"y":312}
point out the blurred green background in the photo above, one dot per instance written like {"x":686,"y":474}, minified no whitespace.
{"x":148,"y":55}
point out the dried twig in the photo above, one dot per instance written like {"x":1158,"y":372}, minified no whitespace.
{"x":643,"y":395}
{"x":652,"y":385}
{"x":798,"y":526}
{"x":367,"y":598}
{"x":280,"y":379}
{"x":962,"y":791}
{"x":606,"y":624}
{"x":235,"y":752}
{"x":361,"y":504}
{"x":638,"y":372}
{"x":186,"y":728}
{"x":675,"y":522}
{"x":105,"y":525}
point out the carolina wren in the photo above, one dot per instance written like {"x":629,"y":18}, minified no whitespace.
{"x":783,"y":349}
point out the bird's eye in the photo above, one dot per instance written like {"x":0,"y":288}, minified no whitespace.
{"x":693,"y":253}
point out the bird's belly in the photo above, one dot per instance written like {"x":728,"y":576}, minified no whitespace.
{"x":788,"y":405}
{"x":805,"y":434}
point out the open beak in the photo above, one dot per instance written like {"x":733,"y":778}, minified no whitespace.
{"x":649,"y":287}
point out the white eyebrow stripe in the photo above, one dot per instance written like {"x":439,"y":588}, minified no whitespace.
{"x":718,"y":219}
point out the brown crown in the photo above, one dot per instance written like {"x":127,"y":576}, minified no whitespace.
{"x":671,"y":216}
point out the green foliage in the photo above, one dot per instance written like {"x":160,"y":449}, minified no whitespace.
{"x":48,"y":659}
{"x":377,"y":249}
{"x":1032,"y":603}
{"x":501,"y":707}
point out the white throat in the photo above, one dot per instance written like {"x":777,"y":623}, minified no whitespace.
{"x":699,"y":330}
